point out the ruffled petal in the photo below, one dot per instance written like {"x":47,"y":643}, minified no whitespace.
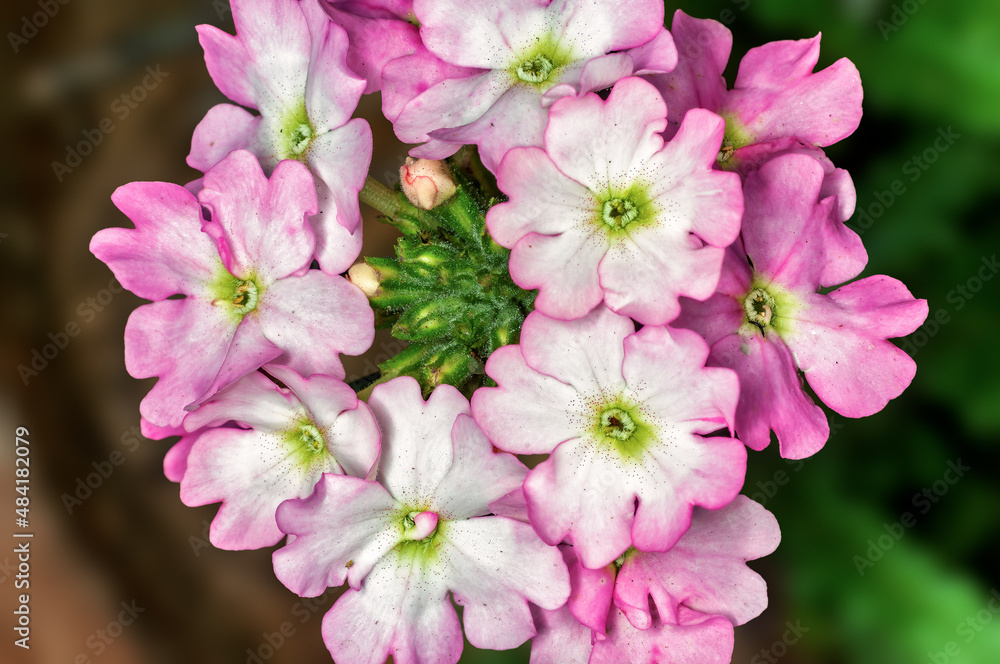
{"x":839,"y":343}
{"x":401,"y":610}
{"x":332,"y":90}
{"x":167,"y":253}
{"x":771,"y":396}
{"x":777,"y":95}
{"x":478,"y":475}
{"x":251,"y":472}
{"x":314,"y":318}
{"x":529,"y":413}
{"x":223,"y":129}
{"x":705,"y":571}
{"x":610,"y":159}
{"x":703,"y":47}
{"x":340,"y":158}
{"x":586,"y":353}
{"x":524,"y":172}
{"x":252,"y":401}
{"x":374,"y":42}
{"x":185,"y":343}
{"x":563,"y":268}
{"x":417,"y":450}
{"x":699,"y":640}
{"x":337,"y":534}
{"x":495,"y":566}
{"x":262,"y":221}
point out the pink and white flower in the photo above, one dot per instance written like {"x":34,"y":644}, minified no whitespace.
{"x":609,"y":212}
{"x":287,"y":61}
{"x":285,"y":439}
{"x":622,"y":414}
{"x":249,"y":295}
{"x":490,"y":68}
{"x":422,"y":530}
{"x":777,"y":103}
{"x":768,"y":322}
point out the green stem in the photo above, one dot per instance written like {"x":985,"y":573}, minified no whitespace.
{"x":380,"y":197}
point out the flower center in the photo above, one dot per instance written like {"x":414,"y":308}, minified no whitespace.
{"x":312,"y":439}
{"x":419,"y":525}
{"x":619,"y":212}
{"x":245,"y":297}
{"x":759,"y":307}
{"x":536,"y":69}
{"x":299,"y":139}
{"x":726,"y":151}
{"x":618,"y":424}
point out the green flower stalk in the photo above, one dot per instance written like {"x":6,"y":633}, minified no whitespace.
{"x":448,"y":291}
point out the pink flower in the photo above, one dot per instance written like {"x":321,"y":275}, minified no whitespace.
{"x":490,"y":68}
{"x":622,"y":414}
{"x":705,"y":571}
{"x":608,"y":212}
{"x":695,"y":639}
{"x":421,"y":531}
{"x":287,"y":61}
{"x":768,"y":321}
{"x":777,"y":103}
{"x":250,"y":297}
{"x":379,"y":31}
{"x":287,"y":438}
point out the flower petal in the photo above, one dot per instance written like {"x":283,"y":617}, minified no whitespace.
{"x":148,"y":260}
{"x":338,"y":533}
{"x":495,"y":566}
{"x":315,"y":317}
{"x":255,"y":213}
{"x":839,"y":343}
{"x":705,"y":571}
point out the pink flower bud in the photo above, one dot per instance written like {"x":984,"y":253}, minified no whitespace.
{"x":426,"y":182}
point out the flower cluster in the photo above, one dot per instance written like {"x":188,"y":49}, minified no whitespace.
{"x":622,"y":265}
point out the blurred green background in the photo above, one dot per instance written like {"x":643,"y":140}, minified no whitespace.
{"x":863,"y":582}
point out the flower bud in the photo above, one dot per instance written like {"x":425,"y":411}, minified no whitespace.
{"x":426,"y":182}
{"x":364,"y":277}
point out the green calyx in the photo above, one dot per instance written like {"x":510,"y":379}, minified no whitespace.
{"x":448,"y":291}
{"x":620,"y":211}
{"x":237,"y":296}
{"x":297,"y":133}
{"x":622,"y":427}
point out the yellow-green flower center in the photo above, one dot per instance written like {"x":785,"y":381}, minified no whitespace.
{"x":618,"y":424}
{"x":619,"y":212}
{"x":245,"y":297}
{"x":535,"y":69}
{"x":759,"y":307}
